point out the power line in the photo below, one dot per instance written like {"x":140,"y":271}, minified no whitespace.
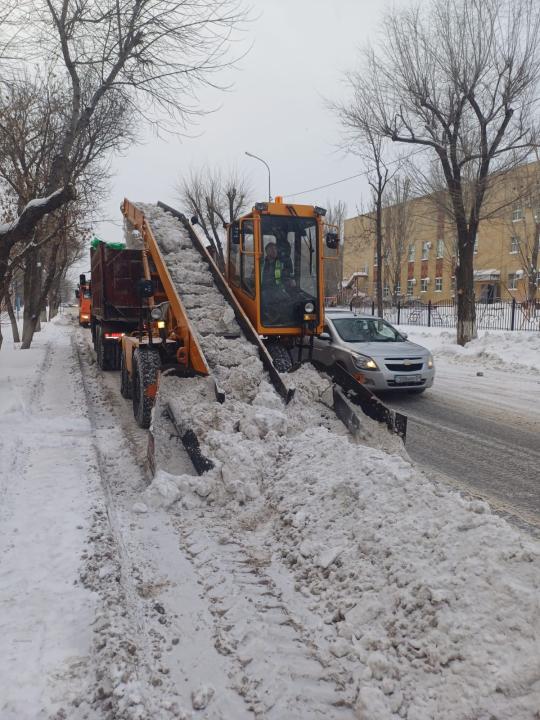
{"x":351,"y":177}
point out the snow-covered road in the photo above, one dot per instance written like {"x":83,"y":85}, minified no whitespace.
{"x":323,"y":579}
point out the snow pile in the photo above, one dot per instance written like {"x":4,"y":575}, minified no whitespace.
{"x":518,"y":350}
{"x":431,"y":600}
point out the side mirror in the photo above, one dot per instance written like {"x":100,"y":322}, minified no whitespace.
{"x":325,"y":336}
{"x":82,"y":279}
{"x":332,"y":240}
{"x":404,"y":335}
{"x":235,"y":234}
{"x":77,"y":294}
{"x":145,"y":288}
{"x":194,"y":220}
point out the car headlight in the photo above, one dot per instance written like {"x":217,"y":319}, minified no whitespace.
{"x":364,"y":362}
{"x":309,"y":308}
{"x":430,"y":362}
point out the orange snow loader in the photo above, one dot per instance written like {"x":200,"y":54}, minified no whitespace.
{"x":273,"y":281}
{"x":83,"y":294}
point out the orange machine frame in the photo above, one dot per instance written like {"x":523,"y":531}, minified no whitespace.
{"x":252,"y":305}
{"x":178,"y":327}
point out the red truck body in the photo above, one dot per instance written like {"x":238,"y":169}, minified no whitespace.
{"x":116,"y":305}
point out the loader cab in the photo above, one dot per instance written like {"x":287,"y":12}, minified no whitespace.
{"x":275,"y":268}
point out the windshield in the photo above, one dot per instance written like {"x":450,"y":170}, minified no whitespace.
{"x":289,"y":266}
{"x":357,"y":330}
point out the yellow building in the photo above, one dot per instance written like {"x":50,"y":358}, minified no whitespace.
{"x":419,"y":246}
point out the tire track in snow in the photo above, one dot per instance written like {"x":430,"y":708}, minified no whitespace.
{"x":280,"y":668}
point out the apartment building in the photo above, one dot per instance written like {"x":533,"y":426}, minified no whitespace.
{"x":419,"y":254}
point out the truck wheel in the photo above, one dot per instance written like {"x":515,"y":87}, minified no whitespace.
{"x":145,"y":366}
{"x":125,"y":381}
{"x":100,"y":349}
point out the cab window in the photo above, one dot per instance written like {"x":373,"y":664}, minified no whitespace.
{"x":247,"y":259}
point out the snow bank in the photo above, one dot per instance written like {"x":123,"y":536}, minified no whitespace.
{"x":517,"y":350}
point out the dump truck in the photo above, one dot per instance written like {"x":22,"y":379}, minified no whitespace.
{"x":198,"y":318}
{"x":83,"y":295}
{"x":116,"y":302}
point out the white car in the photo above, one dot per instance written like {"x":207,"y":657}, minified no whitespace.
{"x":374,"y":352}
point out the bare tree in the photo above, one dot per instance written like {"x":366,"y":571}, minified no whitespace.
{"x":115,"y":58}
{"x":398,"y":223}
{"x":458,"y":77}
{"x":360,"y":138}
{"x":217,"y":200}
{"x":333,"y":269}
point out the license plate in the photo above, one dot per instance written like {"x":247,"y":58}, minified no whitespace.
{"x":405,"y":379}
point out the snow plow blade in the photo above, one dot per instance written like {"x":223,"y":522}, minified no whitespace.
{"x":287,"y":393}
{"x":357,"y":394}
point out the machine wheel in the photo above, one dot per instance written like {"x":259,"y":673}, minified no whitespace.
{"x":125,"y":382}
{"x":281,"y":357}
{"x":101,"y":349}
{"x":416,"y":391}
{"x":145,"y":365}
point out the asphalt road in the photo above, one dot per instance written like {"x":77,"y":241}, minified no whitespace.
{"x":480,"y":434}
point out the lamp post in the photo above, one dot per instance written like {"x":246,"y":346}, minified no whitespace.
{"x":267,"y":167}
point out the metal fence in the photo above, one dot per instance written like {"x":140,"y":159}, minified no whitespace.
{"x":501,"y":315}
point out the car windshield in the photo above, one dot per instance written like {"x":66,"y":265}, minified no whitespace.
{"x":357,"y":330}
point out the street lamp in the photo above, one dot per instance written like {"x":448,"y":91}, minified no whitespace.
{"x":267,"y":167}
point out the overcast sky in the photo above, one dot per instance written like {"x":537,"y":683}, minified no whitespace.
{"x":275,"y":109}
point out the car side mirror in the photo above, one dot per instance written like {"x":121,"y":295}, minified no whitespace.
{"x":332,"y":240}
{"x":194,"y":220}
{"x":325,"y":336}
{"x":235,"y":234}
{"x":404,"y":335}
{"x":82,"y":279}
{"x":77,"y":294}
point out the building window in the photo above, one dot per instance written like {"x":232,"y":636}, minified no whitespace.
{"x":375,"y":259}
{"x":453,"y":284}
{"x":386,"y":290}
{"x":398,"y":287}
{"x":412,"y":253}
{"x":410,"y":288}
{"x":425,"y":250}
{"x":475,"y":249}
{"x":514,"y":244}
{"x":512,"y":281}
{"x":423,"y":284}
{"x":440,"y":248}
{"x":517,"y":214}
{"x":438,"y":284}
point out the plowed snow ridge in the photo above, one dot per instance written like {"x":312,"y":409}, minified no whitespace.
{"x":403,"y":599}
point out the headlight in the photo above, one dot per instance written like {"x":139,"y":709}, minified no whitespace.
{"x":159,"y":312}
{"x":430,"y":362}
{"x":309,"y":308}
{"x":363,"y":362}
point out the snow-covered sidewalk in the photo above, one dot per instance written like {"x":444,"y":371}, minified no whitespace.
{"x":48,"y":495}
{"x":518,"y":351}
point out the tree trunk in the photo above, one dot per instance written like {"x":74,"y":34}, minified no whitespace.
{"x":534,"y":274}
{"x":466,"y":308}
{"x":32,"y":291}
{"x":379,"y":241}
{"x":12,"y":318}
